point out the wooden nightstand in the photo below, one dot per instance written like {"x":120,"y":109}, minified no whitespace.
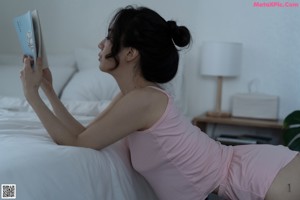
{"x":203,"y":121}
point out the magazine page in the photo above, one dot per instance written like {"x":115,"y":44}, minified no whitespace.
{"x":29,"y":32}
{"x":24,"y":28}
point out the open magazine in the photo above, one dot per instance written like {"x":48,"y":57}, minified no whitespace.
{"x":29,"y":32}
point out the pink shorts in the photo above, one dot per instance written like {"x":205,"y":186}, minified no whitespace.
{"x":252,"y":171}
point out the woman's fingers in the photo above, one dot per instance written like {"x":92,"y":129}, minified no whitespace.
{"x":31,"y":61}
{"x":27,"y":65}
{"x":28,"y":70}
{"x":39,"y":63}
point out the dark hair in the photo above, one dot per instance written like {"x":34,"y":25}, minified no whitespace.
{"x":154,"y":38}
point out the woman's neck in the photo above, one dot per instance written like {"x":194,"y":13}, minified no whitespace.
{"x":128,"y":84}
{"x":128,"y":79}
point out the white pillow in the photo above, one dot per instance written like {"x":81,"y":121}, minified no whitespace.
{"x":62,"y":68}
{"x":11,"y":85}
{"x":86,"y":58}
{"x":10,"y":82}
{"x":86,"y":108}
{"x":62,"y":61}
{"x":90,"y":85}
{"x":83,"y":108}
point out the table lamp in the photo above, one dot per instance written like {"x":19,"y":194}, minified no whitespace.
{"x":220,"y":59}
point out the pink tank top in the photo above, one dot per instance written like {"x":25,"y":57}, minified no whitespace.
{"x":177,"y":159}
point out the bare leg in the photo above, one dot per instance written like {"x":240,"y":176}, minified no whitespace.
{"x":286,"y":185}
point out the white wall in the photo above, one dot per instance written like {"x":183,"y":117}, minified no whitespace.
{"x":68,"y":24}
{"x":270,"y":37}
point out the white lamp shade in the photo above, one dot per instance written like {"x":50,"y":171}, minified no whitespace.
{"x":221,"y":58}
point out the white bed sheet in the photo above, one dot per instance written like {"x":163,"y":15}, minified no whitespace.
{"x":42,"y":169}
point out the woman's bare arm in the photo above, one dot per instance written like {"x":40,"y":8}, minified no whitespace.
{"x":108,"y":108}
{"x":63,"y":114}
{"x":137,"y":110}
{"x":126,"y":116}
{"x":60,"y":110}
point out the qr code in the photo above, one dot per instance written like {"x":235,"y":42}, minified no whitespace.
{"x":8,"y":191}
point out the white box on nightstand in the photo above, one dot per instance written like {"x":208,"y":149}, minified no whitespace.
{"x":255,"y":105}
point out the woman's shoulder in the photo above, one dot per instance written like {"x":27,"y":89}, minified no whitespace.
{"x":151,"y":102}
{"x":149,"y":95}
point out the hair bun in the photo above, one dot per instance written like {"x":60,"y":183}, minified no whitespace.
{"x":180,"y":34}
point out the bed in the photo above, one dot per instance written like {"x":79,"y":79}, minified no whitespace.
{"x":41,"y":169}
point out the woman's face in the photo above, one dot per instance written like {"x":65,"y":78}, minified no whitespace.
{"x":106,"y":64}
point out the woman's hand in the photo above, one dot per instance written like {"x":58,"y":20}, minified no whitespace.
{"x":31,"y":78}
{"x":46,"y":83}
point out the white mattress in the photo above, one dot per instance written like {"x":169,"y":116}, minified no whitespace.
{"x":42,"y":169}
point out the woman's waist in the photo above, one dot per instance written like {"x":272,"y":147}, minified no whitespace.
{"x":227,"y":154}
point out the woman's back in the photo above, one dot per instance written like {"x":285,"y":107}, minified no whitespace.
{"x":173,"y":154}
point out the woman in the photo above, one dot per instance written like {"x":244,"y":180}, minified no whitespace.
{"x":177,"y":159}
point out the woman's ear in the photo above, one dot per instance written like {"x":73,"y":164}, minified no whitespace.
{"x":132,"y":54}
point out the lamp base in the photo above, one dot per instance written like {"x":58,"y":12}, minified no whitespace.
{"x":218,"y":114}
